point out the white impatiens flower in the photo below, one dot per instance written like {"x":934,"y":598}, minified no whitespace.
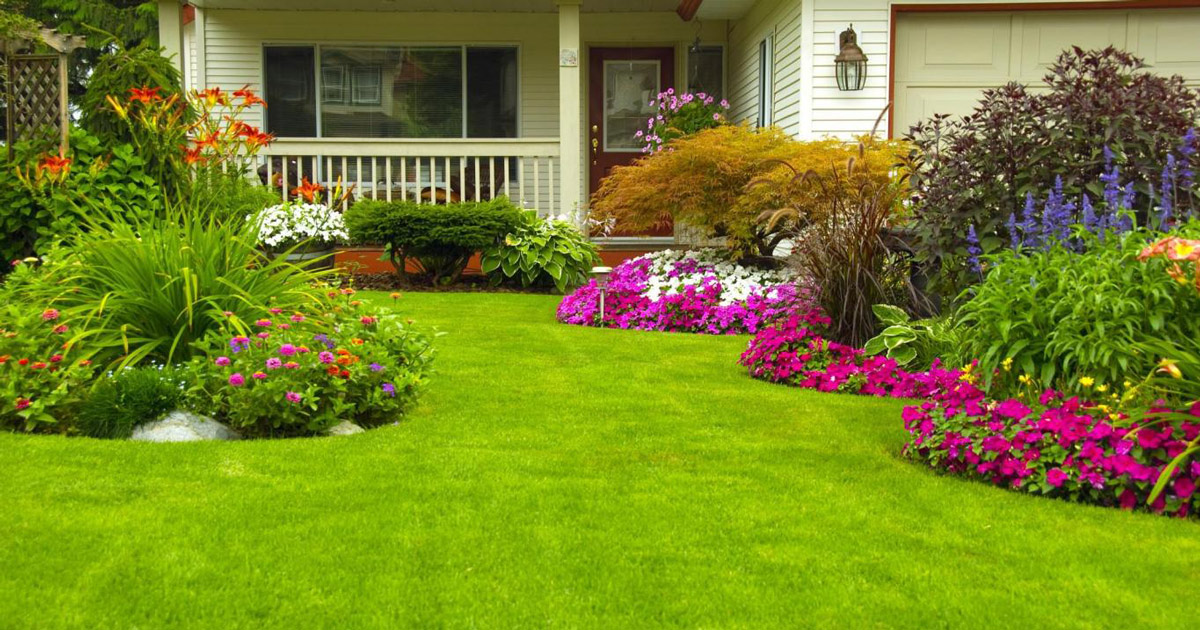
{"x":737,"y":282}
{"x":287,"y":224}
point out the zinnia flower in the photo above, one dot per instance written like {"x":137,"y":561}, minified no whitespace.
{"x":293,"y":397}
{"x":287,"y":350}
{"x":263,"y":323}
{"x":49,"y":315}
{"x":274,"y":364}
{"x":22,"y":403}
{"x":236,"y":379}
{"x":60,"y":329}
{"x":326,"y":357}
{"x":222,"y":361}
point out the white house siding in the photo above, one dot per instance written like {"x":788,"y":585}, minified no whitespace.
{"x":851,"y":113}
{"x":782,"y":18}
{"x":233,"y":41}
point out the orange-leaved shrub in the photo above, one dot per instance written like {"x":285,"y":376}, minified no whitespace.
{"x":721,"y":181}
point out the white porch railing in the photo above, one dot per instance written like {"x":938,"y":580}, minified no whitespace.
{"x":427,"y":171}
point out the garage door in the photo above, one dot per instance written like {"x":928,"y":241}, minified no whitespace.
{"x":943,"y":60}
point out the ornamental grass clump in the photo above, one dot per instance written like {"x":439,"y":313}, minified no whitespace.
{"x":680,"y":291}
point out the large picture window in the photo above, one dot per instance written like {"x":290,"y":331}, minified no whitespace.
{"x":395,"y":91}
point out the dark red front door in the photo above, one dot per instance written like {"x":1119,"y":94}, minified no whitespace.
{"x":622,"y":82}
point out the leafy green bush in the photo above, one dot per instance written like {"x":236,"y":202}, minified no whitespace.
{"x":111,"y":178}
{"x":129,"y":397}
{"x":1060,"y":316}
{"x":541,"y":252}
{"x":916,"y":342}
{"x":439,"y":240}
{"x":977,"y":170}
{"x":115,"y":74}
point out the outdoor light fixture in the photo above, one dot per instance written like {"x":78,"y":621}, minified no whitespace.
{"x":851,"y":63}
{"x":601,"y":275}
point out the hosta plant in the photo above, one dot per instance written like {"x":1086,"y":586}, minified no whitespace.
{"x":541,"y":251}
{"x":914,"y":342}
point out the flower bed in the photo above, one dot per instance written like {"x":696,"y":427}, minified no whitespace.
{"x":680,"y":291}
{"x":1055,"y":446}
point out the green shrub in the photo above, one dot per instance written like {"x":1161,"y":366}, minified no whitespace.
{"x":127,"y":398}
{"x":110,"y":178}
{"x":541,"y":252}
{"x":115,"y":74}
{"x":1060,"y":316}
{"x":977,"y":170}
{"x":439,"y":240}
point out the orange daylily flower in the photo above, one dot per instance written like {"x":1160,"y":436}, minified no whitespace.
{"x":144,"y":95}
{"x":55,"y":165}
{"x":308,"y":190}
{"x":248,"y":97}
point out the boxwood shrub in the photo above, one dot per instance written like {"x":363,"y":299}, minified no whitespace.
{"x":438,"y":239}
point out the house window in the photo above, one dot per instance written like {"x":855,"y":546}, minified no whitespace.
{"x":706,"y":70}
{"x":397,"y":91}
{"x":766,"y":81}
{"x":290,"y":82}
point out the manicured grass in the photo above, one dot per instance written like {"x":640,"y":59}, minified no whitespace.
{"x":556,"y":476}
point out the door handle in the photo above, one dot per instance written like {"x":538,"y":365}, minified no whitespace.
{"x":595,"y":143}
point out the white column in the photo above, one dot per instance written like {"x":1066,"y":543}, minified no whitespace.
{"x":170,"y":32}
{"x":570,"y":113}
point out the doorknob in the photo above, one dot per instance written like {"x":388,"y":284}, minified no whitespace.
{"x":595,"y":148}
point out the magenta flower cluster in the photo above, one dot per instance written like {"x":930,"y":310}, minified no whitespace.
{"x":792,"y":351}
{"x":1054,"y":446}
{"x":1065,"y":448}
{"x":666,"y":292}
{"x":680,"y":114}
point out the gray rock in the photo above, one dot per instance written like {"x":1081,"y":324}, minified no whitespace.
{"x":345,"y":427}
{"x":182,"y":426}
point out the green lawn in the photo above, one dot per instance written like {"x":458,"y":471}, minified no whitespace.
{"x":555,"y":476}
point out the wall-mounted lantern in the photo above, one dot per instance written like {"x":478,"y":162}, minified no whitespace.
{"x":850,"y":64}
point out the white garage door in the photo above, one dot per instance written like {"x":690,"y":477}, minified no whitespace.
{"x":943,"y":60}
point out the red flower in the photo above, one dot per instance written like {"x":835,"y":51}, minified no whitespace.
{"x":209,"y":140}
{"x":3,"y":359}
{"x":258,"y":139}
{"x":23,"y":362}
{"x":345,"y":374}
{"x":144,"y":95}
{"x":193,"y":156}
{"x":85,"y":362}
{"x":49,"y":315}
{"x":38,"y":366}
{"x":60,"y":329}
{"x":332,"y":370}
{"x":214,"y":96}
{"x":248,"y":97}
{"x":56,"y":358}
{"x":22,"y":403}
{"x":308,"y":190}
{"x":56,"y":165}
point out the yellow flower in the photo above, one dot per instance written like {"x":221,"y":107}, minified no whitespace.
{"x":1128,"y":384}
{"x":1102,"y":388}
{"x":1167,"y":366}
{"x":1026,"y":379}
{"x":1087,"y":381}
{"x":1007,"y":364}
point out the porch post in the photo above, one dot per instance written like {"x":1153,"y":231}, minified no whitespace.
{"x":570,"y":113}
{"x":170,"y":32}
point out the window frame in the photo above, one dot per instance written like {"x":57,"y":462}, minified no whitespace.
{"x":463,"y":46}
{"x":766,"y":81}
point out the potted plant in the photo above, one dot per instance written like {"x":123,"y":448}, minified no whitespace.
{"x":305,"y":232}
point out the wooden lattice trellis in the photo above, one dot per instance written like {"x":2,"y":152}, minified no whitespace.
{"x":35,"y":95}
{"x":36,"y":89}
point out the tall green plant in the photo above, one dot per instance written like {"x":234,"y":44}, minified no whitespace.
{"x":150,"y":288}
{"x":1060,"y":316}
{"x":115,"y":74}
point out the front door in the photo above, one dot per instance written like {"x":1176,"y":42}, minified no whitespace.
{"x":622,"y":84}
